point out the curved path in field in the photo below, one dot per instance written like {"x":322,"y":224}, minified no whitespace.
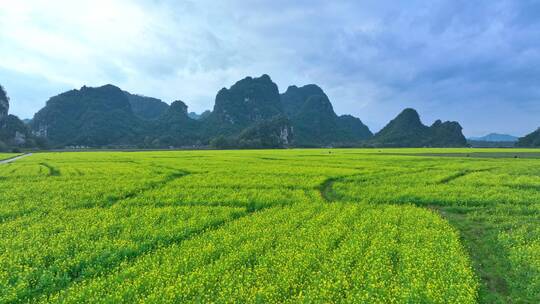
{"x":9,"y":160}
{"x":493,"y":281}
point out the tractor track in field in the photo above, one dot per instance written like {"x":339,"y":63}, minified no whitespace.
{"x":76,"y":274}
{"x":112,"y":200}
{"x":265,"y":250}
{"x":491,"y":280}
{"x":326,"y":187}
{"x":53,"y":171}
{"x":462,"y":173}
{"x":75,"y":277}
{"x":327,"y":193}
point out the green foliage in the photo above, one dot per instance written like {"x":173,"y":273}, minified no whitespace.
{"x":201,"y":116}
{"x":294,"y":98}
{"x":147,"y":108}
{"x":175,"y":128}
{"x":224,"y":142}
{"x":89,"y":117}
{"x":109,"y":117}
{"x":5,"y":155}
{"x":4,"y":104}
{"x":446,"y":134}
{"x":272,"y":133}
{"x":352,"y":129}
{"x":247,"y":102}
{"x":406,"y":130}
{"x":530,"y":140}
{"x":14,"y":133}
{"x":314,"y":121}
{"x":268,"y":134}
{"x":10,"y":125}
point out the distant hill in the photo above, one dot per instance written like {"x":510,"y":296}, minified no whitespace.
{"x":174,"y":128}
{"x":247,"y":106}
{"x":14,"y":133}
{"x":496,"y":137}
{"x":314,"y":121}
{"x":407,"y":130}
{"x":147,"y":108}
{"x":531,"y":140}
{"x":4,"y":103}
{"x":89,"y":117}
{"x":105,"y":116}
{"x":272,"y":133}
{"x":248,"y":101}
{"x":353,"y":128}
{"x":196,"y":116}
{"x":108,"y":116}
{"x":249,"y":114}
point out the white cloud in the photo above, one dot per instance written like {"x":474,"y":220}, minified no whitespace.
{"x":373,"y":58}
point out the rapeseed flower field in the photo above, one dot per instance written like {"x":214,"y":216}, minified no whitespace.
{"x":271,"y":226}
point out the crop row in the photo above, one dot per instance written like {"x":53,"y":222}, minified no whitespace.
{"x":264,"y":226}
{"x":332,"y":253}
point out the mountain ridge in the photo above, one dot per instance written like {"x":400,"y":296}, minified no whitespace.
{"x":13,"y":131}
{"x":315,"y":121}
{"x":251,"y":113}
{"x":495,"y":137}
{"x":147,"y":108}
{"x":531,"y":140}
{"x":407,"y":130}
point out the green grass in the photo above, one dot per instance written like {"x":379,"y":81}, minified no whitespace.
{"x":314,"y":226}
{"x":8,"y":155}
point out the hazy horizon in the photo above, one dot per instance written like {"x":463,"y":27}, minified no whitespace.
{"x":472,"y":62}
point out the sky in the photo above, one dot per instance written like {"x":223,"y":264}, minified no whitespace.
{"x":475,"y":62}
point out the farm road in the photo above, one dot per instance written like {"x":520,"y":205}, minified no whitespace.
{"x":9,"y":160}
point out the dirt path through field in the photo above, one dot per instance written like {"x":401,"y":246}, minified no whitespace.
{"x":9,"y":160}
